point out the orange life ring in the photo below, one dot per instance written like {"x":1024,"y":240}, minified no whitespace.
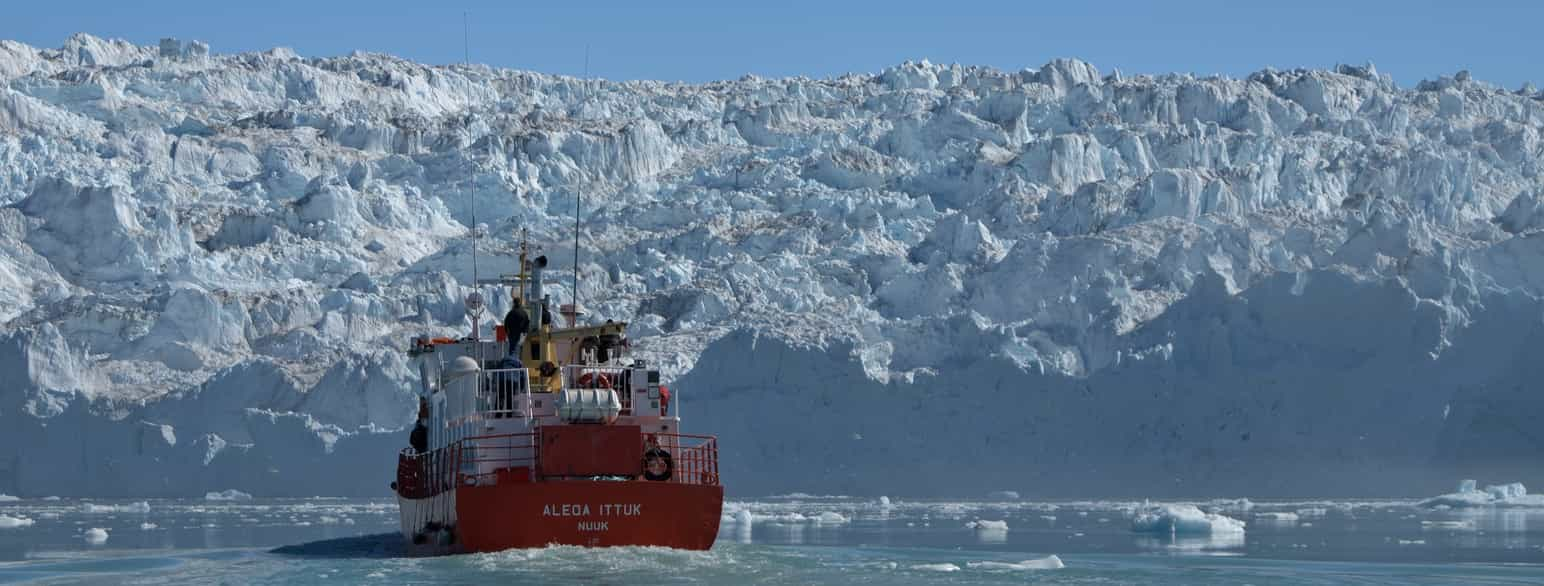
{"x":599,"y":380}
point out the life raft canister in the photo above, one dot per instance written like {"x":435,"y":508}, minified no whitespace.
{"x":658,"y":453}
{"x":594,"y":380}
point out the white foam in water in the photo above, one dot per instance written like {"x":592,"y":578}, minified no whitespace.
{"x":9,"y":522}
{"x":1183,"y":519}
{"x":227,"y":495}
{"x":943,"y":567}
{"x":95,"y":536}
{"x":1050,"y":562}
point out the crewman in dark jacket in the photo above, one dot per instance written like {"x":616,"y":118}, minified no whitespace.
{"x":516,"y":322}
{"x":419,"y":438}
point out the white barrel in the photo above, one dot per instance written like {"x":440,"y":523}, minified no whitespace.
{"x":588,"y":405}
{"x":461,"y":378}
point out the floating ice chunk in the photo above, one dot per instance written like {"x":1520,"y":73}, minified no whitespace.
{"x":944,"y":567}
{"x":93,"y":508}
{"x":1457,"y":525}
{"x":328,"y":520}
{"x":1506,"y":491}
{"x":148,"y":526}
{"x":50,"y":498}
{"x":981,"y":525}
{"x":779,"y":519}
{"x":1412,"y":542}
{"x":1312,"y":512}
{"x":1183,"y":519}
{"x":95,"y":536}
{"x":1467,"y":485}
{"x":884,"y":501}
{"x":951,"y":510}
{"x":743,"y":518}
{"x":1049,"y":518}
{"x":830,"y":518}
{"x":1276,"y":516}
{"x":1512,"y":494}
{"x":1240,"y":505}
{"x":9,"y":522}
{"x":227,"y":495}
{"x":1003,"y":495}
{"x":1050,"y":562}
{"x":5,"y":498}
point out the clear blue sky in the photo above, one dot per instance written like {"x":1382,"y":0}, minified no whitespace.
{"x":695,"y":40}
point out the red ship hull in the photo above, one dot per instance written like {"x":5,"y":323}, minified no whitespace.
{"x":564,"y":485}
{"x":587,"y":513}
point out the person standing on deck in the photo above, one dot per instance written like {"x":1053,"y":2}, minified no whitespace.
{"x":419,"y":438}
{"x":516,"y":322}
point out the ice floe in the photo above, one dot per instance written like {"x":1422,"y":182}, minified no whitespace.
{"x":95,"y":536}
{"x":1512,"y":494}
{"x":1051,"y":562}
{"x":1183,"y":519}
{"x":227,"y":495}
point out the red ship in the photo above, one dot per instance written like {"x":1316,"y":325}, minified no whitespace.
{"x":572,"y":443}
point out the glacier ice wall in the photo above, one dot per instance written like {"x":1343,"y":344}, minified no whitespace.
{"x":951,"y":279}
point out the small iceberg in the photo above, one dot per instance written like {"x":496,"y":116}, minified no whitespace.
{"x":1276,"y":516}
{"x":93,"y":508}
{"x":96,"y":536}
{"x":829,"y":518}
{"x":1050,"y":562}
{"x":1512,"y":494}
{"x":1183,"y":519}
{"x":9,"y":522}
{"x":227,"y":495}
{"x":981,"y":525}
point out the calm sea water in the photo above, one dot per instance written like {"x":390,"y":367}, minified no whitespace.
{"x":796,"y":540}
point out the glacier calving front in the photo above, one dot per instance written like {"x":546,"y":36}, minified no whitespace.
{"x":934,"y":280}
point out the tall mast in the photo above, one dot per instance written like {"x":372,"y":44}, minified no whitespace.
{"x":466,"y":63}
{"x":578,"y":200}
{"x":475,"y":303}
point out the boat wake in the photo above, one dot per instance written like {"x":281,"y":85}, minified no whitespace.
{"x":379,"y":545}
